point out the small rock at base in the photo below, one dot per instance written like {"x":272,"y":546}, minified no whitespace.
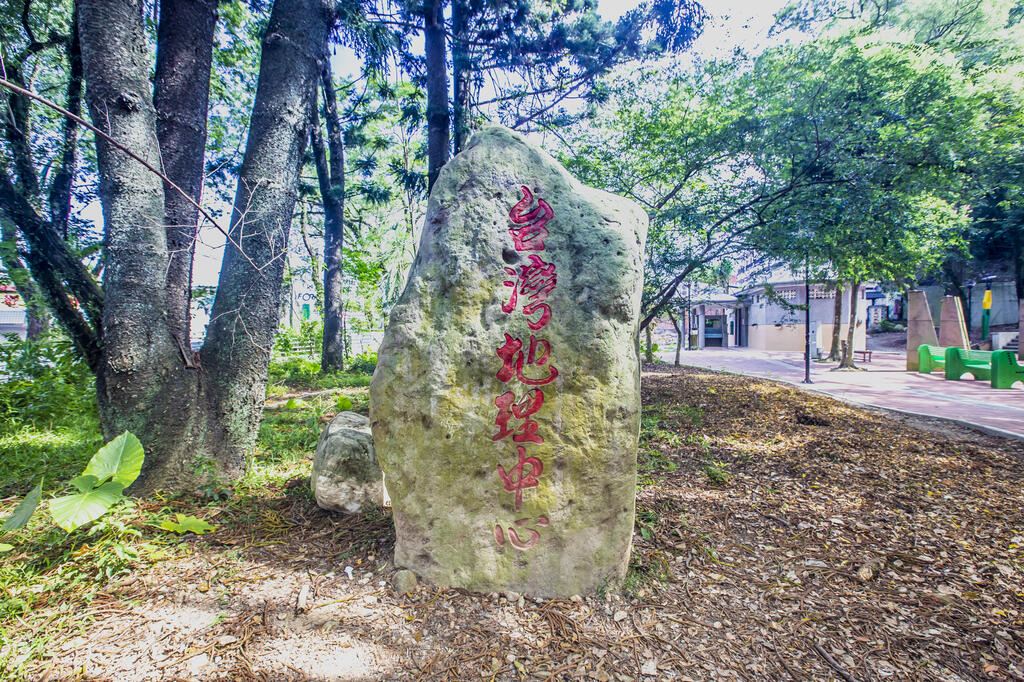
{"x":346,"y":476}
{"x":619,"y":615}
{"x":404,"y":581}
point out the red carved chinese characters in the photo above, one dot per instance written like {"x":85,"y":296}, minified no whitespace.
{"x":513,"y":534}
{"x":509,"y":408}
{"x":528,"y":363}
{"x":514,"y":358}
{"x":534,"y":281}
{"x":517,"y":479}
{"x":531,"y":236}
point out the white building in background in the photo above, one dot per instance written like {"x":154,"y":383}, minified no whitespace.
{"x":767,"y":322}
{"x":764,"y":317}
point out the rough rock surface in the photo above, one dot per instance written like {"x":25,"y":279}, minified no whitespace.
{"x":404,"y":580}
{"x":920,"y":326}
{"x":952,"y":329}
{"x":346,"y":476}
{"x":513,"y":467}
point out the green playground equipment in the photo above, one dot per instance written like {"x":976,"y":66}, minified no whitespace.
{"x":930,"y":358}
{"x":1005,"y":369}
{"x":960,"y":361}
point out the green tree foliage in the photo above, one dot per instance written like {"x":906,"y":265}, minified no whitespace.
{"x":983,"y":43}
{"x":528,"y":58}
{"x":859,"y":154}
{"x":381,"y":124}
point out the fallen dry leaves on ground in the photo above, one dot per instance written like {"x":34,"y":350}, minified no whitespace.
{"x":780,"y":536}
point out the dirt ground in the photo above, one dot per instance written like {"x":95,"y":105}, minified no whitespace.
{"x":780,"y":536}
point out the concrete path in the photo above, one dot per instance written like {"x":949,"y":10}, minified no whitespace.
{"x":885,"y":384}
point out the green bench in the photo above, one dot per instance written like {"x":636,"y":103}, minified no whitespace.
{"x":960,"y":361}
{"x":1005,"y":370}
{"x":930,"y":358}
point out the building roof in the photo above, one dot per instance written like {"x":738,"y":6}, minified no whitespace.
{"x":714,"y":297}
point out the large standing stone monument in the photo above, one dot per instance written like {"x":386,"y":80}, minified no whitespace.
{"x":505,"y":407}
{"x":920,"y":326}
{"x":952,"y":330}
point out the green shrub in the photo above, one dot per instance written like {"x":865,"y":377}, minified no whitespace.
{"x":717,"y":473}
{"x":890,"y":326}
{"x":101,"y":485}
{"x":43,"y":382}
{"x":294,"y":371}
{"x":309,"y":335}
{"x":364,"y":363}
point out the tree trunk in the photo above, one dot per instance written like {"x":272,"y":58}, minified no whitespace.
{"x":331,"y":176}
{"x":679,"y":337}
{"x":181,"y":96}
{"x":837,"y":323}
{"x":848,"y":356}
{"x":148,"y":382}
{"x":1017,"y":246}
{"x":649,"y":351}
{"x":48,"y":250}
{"x":60,"y":189}
{"x":1020,"y":329}
{"x":461,"y":74}
{"x":142,"y":385}
{"x":437,"y":89}
{"x":244,"y":320}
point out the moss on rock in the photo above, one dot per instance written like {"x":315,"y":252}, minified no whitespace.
{"x":432,"y":397}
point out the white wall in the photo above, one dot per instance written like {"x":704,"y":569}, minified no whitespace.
{"x":1004,"y":303}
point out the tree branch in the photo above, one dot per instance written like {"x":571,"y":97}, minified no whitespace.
{"x":127,"y":152}
{"x":60,"y":188}
{"x":48,"y":245}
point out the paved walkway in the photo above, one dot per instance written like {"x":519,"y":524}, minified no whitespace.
{"x":886,"y":384}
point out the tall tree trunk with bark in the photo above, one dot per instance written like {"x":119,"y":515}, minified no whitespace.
{"x":834,"y":353}
{"x":649,"y":350}
{"x":437,"y":88}
{"x":330,"y":172}
{"x":181,"y":95}
{"x":679,"y":337}
{"x":142,"y":384}
{"x":848,"y":357}
{"x":236,"y":355}
{"x":1017,"y":247}
{"x":314,"y":262}
{"x":195,"y":419}
{"x":57,"y":275}
{"x":461,"y":73}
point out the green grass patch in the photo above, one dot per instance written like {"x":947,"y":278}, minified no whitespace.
{"x":297,"y":374}
{"x":29,"y":452}
{"x":49,"y":578}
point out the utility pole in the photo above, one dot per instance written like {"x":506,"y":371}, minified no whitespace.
{"x":807,"y":318}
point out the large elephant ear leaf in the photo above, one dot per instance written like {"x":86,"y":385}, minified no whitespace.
{"x":72,"y":511}
{"x":120,"y":459}
{"x":24,"y":511}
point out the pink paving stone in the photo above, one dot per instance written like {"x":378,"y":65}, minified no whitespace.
{"x":885,"y":384}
